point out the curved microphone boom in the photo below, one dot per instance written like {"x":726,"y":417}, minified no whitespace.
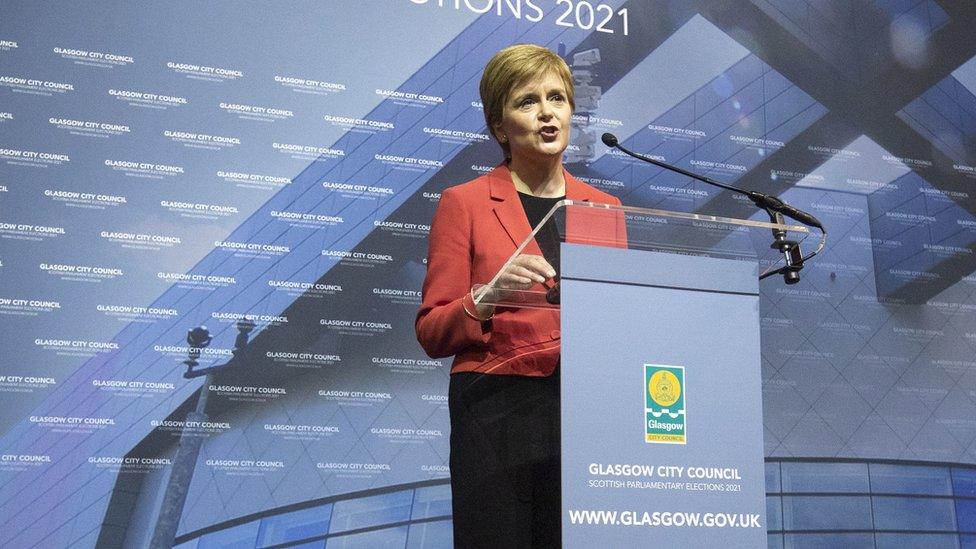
{"x":775,"y":207}
{"x":764,"y":201}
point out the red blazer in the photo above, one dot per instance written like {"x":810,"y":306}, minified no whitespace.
{"x":477,"y":227}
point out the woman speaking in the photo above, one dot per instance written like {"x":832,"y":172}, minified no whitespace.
{"x":504,"y":388}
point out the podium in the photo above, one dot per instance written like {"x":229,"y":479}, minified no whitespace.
{"x":661,"y":393}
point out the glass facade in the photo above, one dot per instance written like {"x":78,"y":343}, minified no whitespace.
{"x":417,"y":516}
{"x":809,"y":503}
{"x":823,"y":503}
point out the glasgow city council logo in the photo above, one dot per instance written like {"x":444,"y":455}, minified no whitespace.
{"x":664,"y":408}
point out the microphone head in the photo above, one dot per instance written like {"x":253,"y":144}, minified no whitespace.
{"x":609,"y":140}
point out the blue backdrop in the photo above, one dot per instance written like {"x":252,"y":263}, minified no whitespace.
{"x":170,"y":165}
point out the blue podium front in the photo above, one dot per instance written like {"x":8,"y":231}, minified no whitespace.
{"x":661,"y":400}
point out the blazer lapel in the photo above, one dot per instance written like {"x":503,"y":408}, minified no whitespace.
{"x":508,"y":208}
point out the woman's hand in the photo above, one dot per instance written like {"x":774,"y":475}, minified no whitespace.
{"x":524,"y":272}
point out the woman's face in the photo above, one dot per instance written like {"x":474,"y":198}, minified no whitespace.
{"x":536,"y":119}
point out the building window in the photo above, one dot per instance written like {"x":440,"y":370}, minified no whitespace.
{"x":914,"y":514}
{"x":303,"y":524}
{"x":826,"y":513}
{"x":236,"y":537}
{"x":903,"y":479}
{"x":848,"y":478}
{"x":877,"y":504}
{"x":352,"y":514}
{"x":809,"y":503}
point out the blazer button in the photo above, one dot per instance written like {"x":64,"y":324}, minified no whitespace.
{"x":554,"y":334}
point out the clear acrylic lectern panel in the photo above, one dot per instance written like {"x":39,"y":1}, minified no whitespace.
{"x":594,"y":224}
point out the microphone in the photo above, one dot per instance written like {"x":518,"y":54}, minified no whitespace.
{"x":775,"y":207}
{"x":761,"y":200}
{"x":778,"y":205}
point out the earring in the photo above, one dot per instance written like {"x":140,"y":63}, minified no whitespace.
{"x":504,"y":138}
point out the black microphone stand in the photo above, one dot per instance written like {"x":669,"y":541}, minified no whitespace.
{"x":774,"y":207}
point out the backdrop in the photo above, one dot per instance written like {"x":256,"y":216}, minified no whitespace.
{"x":169,"y":165}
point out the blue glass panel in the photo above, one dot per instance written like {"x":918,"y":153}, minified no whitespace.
{"x":371,"y":511}
{"x":825,"y":477}
{"x":829,"y":541}
{"x":967,"y":542}
{"x":192,"y":544}
{"x":966,"y":514}
{"x":892,"y":513}
{"x":909,"y":479}
{"x":296,"y":525}
{"x":916,"y":541}
{"x":237,"y":537}
{"x":432,"y":501}
{"x":964,"y":482}
{"x":826,"y":513}
{"x":320,"y":544}
{"x":943,"y":115}
{"x":390,"y":538}
{"x":774,"y":513}
{"x":774,"y":541}
{"x":772,"y":477}
{"x":431,"y":535}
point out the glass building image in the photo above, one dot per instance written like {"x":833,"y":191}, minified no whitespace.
{"x":809,"y":503}
{"x":309,"y":416}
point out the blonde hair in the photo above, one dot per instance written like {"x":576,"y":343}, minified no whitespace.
{"x":512,"y":67}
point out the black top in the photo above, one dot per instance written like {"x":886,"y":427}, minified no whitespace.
{"x":536,"y":208}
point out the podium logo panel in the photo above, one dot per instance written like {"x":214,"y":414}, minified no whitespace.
{"x":664,"y":404}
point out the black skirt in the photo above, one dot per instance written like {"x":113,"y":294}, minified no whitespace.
{"x":505,"y":466}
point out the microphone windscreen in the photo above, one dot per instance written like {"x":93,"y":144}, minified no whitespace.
{"x":610,"y":140}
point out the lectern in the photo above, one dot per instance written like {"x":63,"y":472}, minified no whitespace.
{"x":661,"y":394}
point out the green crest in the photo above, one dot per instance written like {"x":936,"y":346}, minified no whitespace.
{"x":664,"y":404}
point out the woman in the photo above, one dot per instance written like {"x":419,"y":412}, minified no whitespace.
{"x":504,"y":388}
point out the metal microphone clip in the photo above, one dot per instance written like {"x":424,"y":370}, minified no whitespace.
{"x":789,"y":248}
